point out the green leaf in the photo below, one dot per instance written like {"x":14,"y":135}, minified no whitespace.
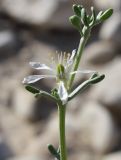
{"x":93,"y":80}
{"x":32,"y":89}
{"x":97,"y":79}
{"x":76,"y":10}
{"x":106,"y":14}
{"x":53,"y":151}
{"x":75,"y":21}
{"x":94,"y":75}
{"x":80,"y":7}
{"x":93,"y":17}
{"x":47,"y":95}
{"x":84,"y":17}
{"x":99,"y":14}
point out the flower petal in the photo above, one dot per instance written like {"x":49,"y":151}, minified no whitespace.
{"x":62,"y":92}
{"x":38,"y":65}
{"x":73,"y":54}
{"x":83,"y":71}
{"x":35,"y":78}
{"x":70,"y":60}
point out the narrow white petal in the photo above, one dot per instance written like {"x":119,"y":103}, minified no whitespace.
{"x":35,"y":78}
{"x":84,"y":72}
{"x":38,"y":65}
{"x":73,"y":54}
{"x":71,"y":59}
{"x":62,"y":92}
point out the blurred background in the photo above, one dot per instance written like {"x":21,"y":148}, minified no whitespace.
{"x":32,"y":30}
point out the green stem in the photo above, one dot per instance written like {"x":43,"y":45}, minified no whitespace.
{"x":62,"y":139}
{"x":82,"y":43}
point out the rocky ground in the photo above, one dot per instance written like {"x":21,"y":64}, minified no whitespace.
{"x":33,"y":31}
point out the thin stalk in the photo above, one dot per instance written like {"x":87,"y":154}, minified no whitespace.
{"x":62,"y":138}
{"x":82,"y":43}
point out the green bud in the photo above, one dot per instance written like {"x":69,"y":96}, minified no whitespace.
{"x":32,"y":89}
{"x":84,"y":17}
{"x":106,"y":14}
{"x":75,"y":21}
{"x":76,"y":10}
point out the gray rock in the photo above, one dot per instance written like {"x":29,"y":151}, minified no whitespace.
{"x":97,"y":129}
{"x":112,"y":156}
{"x":8,"y":43}
{"x":99,"y":52}
{"x":39,"y":12}
{"x":28,"y":107}
{"x":111,"y":29}
{"x":108,"y":92}
{"x":16,"y":133}
{"x":5,"y":151}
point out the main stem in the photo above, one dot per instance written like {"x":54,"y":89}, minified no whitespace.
{"x":82,"y":43}
{"x":62,"y":138}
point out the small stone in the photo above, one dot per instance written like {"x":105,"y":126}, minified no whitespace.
{"x":99,"y":52}
{"x":111,"y":29}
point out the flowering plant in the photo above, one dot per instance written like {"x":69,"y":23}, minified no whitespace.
{"x":65,"y":70}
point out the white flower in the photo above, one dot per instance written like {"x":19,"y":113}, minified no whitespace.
{"x":60,"y":72}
